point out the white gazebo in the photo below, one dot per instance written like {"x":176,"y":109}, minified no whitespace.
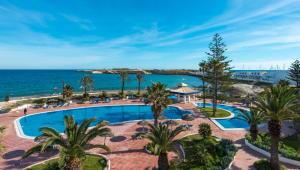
{"x":184,"y":93}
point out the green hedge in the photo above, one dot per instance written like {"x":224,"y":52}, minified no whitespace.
{"x":263,"y":141}
{"x":265,"y":165}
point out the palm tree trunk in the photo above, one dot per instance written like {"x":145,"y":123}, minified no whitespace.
{"x":156,"y":114}
{"x":253,"y":132}
{"x":85,"y":91}
{"x":73,"y":163}
{"x":123,"y":84}
{"x":274,"y":127}
{"x":155,"y":121}
{"x":203,"y":92}
{"x":63,"y":92}
{"x":163,"y":163}
{"x":215,"y":96}
{"x":139,"y":87}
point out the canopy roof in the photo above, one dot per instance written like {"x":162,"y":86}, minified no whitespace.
{"x":182,"y":88}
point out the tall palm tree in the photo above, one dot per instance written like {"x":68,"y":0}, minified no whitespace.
{"x":162,"y":138}
{"x":124,"y":77}
{"x":139,"y":78}
{"x":157,"y":95}
{"x":203,"y":69}
{"x":253,"y":118}
{"x":77,"y":139}
{"x":67,"y":91}
{"x":277,"y":103}
{"x":87,"y":83}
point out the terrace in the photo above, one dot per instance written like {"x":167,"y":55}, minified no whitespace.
{"x":126,"y":152}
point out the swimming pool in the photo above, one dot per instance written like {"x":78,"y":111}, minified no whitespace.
{"x":232,"y":123}
{"x":28,"y":126}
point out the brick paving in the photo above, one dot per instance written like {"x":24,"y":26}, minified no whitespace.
{"x":126,"y":153}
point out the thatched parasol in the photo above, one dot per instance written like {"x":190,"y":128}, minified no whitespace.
{"x":188,"y":117}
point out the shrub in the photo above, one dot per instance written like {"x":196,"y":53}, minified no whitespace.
{"x":263,"y":141}
{"x":206,"y":153}
{"x":297,"y":124}
{"x":6,"y":98}
{"x":39,"y":101}
{"x":1,"y":133}
{"x":86,"y":96}
{"x":120,"y":95}
{"x":262,"y":165}
{"x":204,"y":130}
{"x":265,"y":165}
{"x":103,"y":95}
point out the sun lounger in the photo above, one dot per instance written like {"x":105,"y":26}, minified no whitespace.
{"x":45,"y":106}
{"x":107,"y":100}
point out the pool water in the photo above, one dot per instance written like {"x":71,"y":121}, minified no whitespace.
{"x":230,"y":122}
{"x":30,"y":125}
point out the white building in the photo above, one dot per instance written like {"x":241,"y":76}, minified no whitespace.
{"x":184,"y":93}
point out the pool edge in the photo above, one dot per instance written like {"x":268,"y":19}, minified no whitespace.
{"x":20,"y":133}
{"x":214,"y":120}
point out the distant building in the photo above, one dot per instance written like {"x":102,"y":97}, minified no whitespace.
{"x":265,"y":76}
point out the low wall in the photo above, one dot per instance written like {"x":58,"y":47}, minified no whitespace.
{"x":281,"y":158}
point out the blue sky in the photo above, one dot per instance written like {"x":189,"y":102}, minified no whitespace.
{"x":87,"y":34}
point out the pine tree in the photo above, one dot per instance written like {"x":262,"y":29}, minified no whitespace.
{"x":294,"y":73}
{"x":218,"y":74}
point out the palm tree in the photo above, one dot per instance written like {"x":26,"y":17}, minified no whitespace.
{"x":283,"y":82}
{"x":203,"y":70}
{"x":253,"y":118}
{"x":77,"y":139}
{"x":163,"y":141}
{"x":139,"y":78}
{"x":157,"y":95}
{"x":124,"y":77}
{"x":87,"y":83}
{"x":277,"y":103}
{"x":67,"y":91}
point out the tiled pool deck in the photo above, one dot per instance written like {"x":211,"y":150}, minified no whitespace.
{"x":127,"y":154}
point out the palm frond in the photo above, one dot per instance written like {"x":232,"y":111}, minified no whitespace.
{"x":32,"y":150}
{"x":92,"y":146}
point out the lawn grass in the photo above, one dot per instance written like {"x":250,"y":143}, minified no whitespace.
{"x":197,"y":137}
{"x":208,"y":111}
{"x":90,"y":163}
{"x":292,"y":141}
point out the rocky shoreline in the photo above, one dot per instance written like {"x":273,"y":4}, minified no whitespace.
{"x":150,"y":71}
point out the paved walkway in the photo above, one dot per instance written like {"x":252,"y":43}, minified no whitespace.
{"x":127,"y":154}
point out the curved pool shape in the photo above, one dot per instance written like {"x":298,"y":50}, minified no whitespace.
{"x":228,"y":123}
{"x":28,"y":126}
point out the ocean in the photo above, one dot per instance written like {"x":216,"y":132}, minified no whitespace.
{"x":19,"y":83}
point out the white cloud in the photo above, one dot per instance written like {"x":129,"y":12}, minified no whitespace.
{"x":83,"y":23}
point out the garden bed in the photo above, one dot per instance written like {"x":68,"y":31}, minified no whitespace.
{"x":90,"y":163}
{"x":208,"y":153}
{"x":287,"y":148}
